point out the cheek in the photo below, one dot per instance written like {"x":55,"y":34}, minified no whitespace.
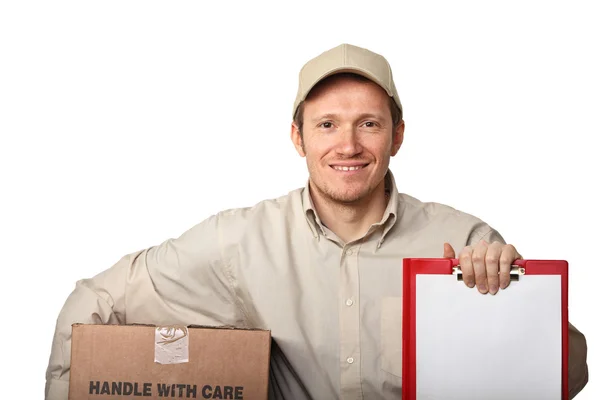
{"x":317,"y":149}
{"x":378,"y":145}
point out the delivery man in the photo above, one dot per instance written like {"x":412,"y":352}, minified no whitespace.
{"x":320,"y":267}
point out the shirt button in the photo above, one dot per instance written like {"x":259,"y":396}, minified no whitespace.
{"x":349,"y":302}
{"x":349,"y":252}
{"x":350,"y":360}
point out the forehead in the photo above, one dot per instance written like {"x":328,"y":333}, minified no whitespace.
{"x":346,"y":91}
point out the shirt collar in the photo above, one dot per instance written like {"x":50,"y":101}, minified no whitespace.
{"x":387,"y":221}
{"x":314,"y":222}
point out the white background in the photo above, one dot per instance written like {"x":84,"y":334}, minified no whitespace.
{"x":124,"y":123}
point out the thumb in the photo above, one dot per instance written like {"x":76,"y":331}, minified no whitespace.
{"x":448,"y":251}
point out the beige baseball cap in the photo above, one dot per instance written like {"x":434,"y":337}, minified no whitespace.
{"x":346,"y":58}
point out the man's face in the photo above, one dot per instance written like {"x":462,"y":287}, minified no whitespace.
{"x":348,"y":138}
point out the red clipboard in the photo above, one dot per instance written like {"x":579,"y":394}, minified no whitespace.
{"x":416,"y":266}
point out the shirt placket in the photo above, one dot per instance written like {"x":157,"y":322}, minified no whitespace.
{"x":350,"y":354}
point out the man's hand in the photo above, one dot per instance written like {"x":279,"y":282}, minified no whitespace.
{"x":485,"y":264}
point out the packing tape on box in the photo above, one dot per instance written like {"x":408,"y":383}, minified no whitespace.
{"x":171,"y":344}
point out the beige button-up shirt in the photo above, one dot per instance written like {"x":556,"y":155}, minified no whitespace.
{"x":334,"y":308}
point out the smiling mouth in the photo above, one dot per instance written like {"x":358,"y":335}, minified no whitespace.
{"x":348,"y":168}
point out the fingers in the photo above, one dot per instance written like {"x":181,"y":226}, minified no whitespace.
{"x":485,"y":265}
{"x":492,"y":265}
{"x":509,"y":254}
{"x":466,"y":266}
{"x":479,"y":267}
{"x":448,"y":251}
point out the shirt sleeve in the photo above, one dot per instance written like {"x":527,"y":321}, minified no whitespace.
{"x":182,"y":281}
{"x":483,"y":231}
{"x":578,"y":369}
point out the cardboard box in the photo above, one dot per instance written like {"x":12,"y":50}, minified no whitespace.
{"x":140,"y":361}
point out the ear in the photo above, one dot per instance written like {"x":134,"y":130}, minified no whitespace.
{"x":297,"y":140}
{"x":398,"y":138}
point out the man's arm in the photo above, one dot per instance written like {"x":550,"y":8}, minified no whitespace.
{"x":181,"y":281}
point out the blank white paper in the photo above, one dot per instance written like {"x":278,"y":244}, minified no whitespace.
{"x":474,"y":346}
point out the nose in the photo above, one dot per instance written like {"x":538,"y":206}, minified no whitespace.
{"x":349,"y":144}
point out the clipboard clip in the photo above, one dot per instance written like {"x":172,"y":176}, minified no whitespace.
{"x":515,"y":272}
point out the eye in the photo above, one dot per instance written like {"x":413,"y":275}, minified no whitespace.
{"x":326,"y":125}
{"x":370,"y":124}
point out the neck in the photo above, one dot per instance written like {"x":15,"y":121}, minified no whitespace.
{"x":350,"y":221}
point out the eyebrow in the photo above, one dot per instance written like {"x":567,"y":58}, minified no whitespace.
{"x":335,"y":116}
{"x":324,"y":116}
{"x":371,"y":115}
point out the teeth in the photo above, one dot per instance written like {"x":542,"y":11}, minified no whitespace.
{"x":340,"y":168}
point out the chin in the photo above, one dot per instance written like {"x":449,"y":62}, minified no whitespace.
{"x":349,"y":197}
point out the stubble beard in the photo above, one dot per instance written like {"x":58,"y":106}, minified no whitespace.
{"x":342,"y":197}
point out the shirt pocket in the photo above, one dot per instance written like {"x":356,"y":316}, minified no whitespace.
{"x":391,"y":335}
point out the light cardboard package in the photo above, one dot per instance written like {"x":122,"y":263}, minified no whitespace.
{"x":141,"y":361}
